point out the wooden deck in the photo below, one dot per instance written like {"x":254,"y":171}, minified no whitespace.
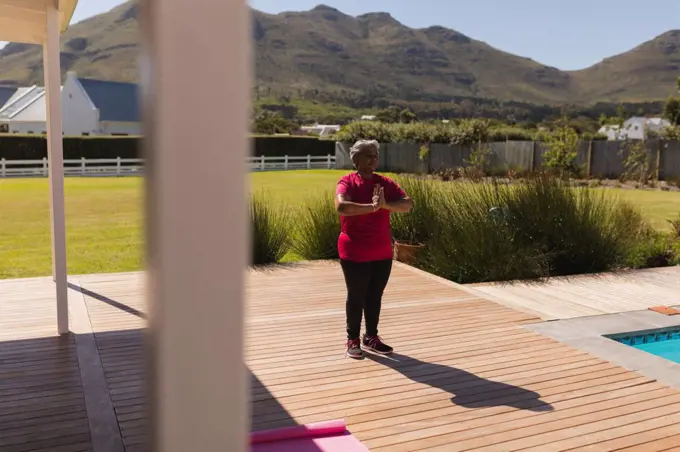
{"x":581,"y":296}
{"x":466,"y":375}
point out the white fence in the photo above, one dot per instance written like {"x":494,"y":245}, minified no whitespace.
{"x":288,"y":163}
{"x":135,"y":167}
{"x":78,"y":167}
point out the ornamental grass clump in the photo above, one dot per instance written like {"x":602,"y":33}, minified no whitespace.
{"x":317,"y":226}
{"x":541,"y":227}
{"x":270,"y":230}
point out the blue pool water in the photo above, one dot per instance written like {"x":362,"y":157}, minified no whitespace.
{"x":665,"y":344}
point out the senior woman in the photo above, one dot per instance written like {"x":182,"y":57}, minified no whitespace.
{"x":364,"y":201}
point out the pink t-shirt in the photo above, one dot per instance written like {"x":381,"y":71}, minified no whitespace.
{"x":365,"y":238}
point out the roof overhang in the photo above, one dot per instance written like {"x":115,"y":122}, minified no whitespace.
{"x":26,"y":21}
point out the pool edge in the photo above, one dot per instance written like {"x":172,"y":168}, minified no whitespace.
{"x":593,"y":335}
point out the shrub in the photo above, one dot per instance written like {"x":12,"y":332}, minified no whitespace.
{"x":271,"y":122}
{"x":318,"y":227}
{"x":270,"y":231}
{"x":466,"y":132}
{"x":594,"y":136}
{"x":510,"y":134}
{"x":653,"y":249}
{"x":415,"y":133}
{"x":291,"y":146}
{"x":636,"y":164}
{"x":675,"y":226}
{"x":470,"y":131}
{"x":424,"y":152}
{"x":447,"y":174}
{"x":563,"y":144}
{"x":34,"y":147}
{"x":671,"y":133}
{"x":478,"y":162}
{"x":369,"y":130}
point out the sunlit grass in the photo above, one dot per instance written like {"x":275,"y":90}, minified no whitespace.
{"x":105,"y":227}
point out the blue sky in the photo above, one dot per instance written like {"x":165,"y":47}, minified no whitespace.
{"x":566,"y":34}
{"x":88,"y":8}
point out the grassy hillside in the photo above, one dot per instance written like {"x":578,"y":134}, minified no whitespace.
{"x":647,"y":72}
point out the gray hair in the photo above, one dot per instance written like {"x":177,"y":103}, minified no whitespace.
{"x":361,"y":146}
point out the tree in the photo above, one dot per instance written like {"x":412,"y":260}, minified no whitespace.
{"x":671,"y":109}
{"x":268,"y":123}
{"x":563,"y":145}
{"x":406,"y":116}
{"x":394,"y":114}
{"x":389,"y":115}
{"x":636,"y":163}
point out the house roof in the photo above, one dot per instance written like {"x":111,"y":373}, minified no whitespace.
{"x":22,"y":100}
{"x":6,"y":93}
{"x":116,"y":101}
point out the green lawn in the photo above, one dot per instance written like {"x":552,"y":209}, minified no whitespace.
{"x":104,"y":218}
{"x":658,"y":206}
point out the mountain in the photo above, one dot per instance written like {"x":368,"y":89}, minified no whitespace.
{"x":324,"y":49}
{"x":105,"y":46}
{"x":647,"y":72}
{"x":328,"y":55}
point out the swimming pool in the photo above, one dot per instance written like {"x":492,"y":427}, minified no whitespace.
{"x":664,"y":343}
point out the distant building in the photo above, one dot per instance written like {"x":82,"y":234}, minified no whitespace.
{"x":89,"y":107}
{"x":634,"y":128}
{"x":368,"y":117}
{"x":322,"y":130}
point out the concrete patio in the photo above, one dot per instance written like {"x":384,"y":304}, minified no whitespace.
{"x":469,"y":373}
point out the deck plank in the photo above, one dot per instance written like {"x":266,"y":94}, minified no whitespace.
{"x":42,"y":404}
{"x":466,"y":375}
{"x":586,"y":295}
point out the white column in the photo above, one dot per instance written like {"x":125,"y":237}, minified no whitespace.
{"x":197,"y":230}
{"x":55,"y":157}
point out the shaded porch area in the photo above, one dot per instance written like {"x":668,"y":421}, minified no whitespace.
{"x":467,"y":375}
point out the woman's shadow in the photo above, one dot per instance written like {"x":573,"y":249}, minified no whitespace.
{"x":468,"y":390}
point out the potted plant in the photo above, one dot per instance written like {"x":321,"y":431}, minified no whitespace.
{"x":412,"y":230}
{"x":406,"y":252}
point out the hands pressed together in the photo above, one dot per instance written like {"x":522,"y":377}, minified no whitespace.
{"x":379,"y":201}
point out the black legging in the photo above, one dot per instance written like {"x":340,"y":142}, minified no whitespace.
{"x":365,"y":282}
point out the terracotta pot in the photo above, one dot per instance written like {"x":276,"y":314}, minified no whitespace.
{"x":406,"y":253}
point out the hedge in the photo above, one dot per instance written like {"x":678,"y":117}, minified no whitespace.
{"x":465,"y":132}
{"x":22,"y":147}
{"x":293,"y":146}
{"x":35,"y":148}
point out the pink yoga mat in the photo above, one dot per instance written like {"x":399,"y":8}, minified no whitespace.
{"x":330,"y":436}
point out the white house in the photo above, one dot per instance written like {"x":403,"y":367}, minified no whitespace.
{"x":89,"y":107}
{"x":634,"y":128}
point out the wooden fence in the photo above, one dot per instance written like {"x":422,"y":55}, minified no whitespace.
{"x":602,"y":159}
{"x":135,"y":167}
